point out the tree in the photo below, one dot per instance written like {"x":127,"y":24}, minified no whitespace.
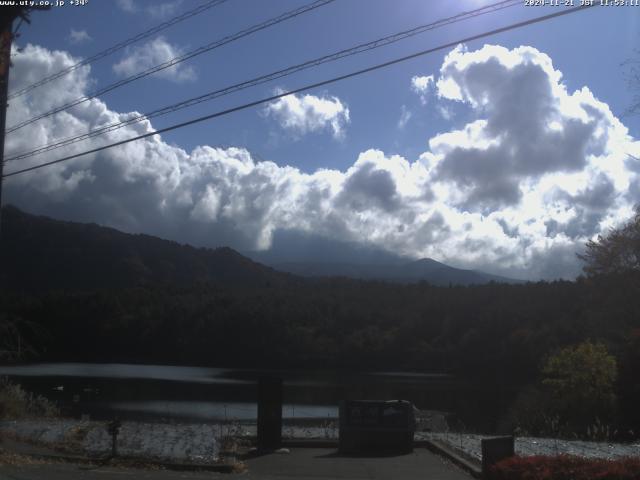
{"x":13,"y":346}
{"x":617,"y":252}
{"x":581,"y":379}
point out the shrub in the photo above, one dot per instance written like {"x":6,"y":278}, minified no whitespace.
{"x":581,"y":379}
{"x":16,"y":402}
{"x":566,"y":467}
{"x":530,"y":414}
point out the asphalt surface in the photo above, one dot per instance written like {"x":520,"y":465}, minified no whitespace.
{"x":300,"y":464}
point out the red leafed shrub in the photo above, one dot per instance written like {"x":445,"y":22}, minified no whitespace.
{"x":566,"y":467}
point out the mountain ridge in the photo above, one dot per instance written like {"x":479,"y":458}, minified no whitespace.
{"x":421,"y":270}
{"x":39,"y":252}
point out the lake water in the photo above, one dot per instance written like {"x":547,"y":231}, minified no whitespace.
{"x":157,"y":392}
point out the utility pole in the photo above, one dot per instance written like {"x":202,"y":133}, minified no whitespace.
{"x":7,"y":16}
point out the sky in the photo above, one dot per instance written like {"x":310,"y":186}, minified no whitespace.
{"x":504,"y":154}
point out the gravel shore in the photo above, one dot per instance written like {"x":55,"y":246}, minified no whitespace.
{"x":192,"y":443}
{"x":202,"y":443}
{"x":527,"y":446}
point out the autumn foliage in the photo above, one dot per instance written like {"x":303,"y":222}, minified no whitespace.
{"x":566,"y":467}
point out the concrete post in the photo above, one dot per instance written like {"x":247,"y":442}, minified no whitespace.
{"x":494,"y":450}
{"x":269,"y":413}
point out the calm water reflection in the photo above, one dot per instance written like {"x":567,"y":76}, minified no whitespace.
{"x":214,"y":394}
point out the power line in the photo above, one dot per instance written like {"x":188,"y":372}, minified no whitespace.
{"x":270,"y":77}
{"x":363,"y":47}
{"x":379,"y":66}
{"x":179,"y":59}
{"x":119,"y":46}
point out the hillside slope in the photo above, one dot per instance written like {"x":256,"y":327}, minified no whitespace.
{"x":43,"y":253}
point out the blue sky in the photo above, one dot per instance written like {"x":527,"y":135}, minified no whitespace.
{"x":389,"y":121}
{"x":584,"y":59}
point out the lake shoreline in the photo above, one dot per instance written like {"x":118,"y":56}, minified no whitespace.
{"x":205,"y":394}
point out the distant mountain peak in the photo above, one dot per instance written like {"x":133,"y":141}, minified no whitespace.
{"x":421,"y":270}
{"x":427,"y":260}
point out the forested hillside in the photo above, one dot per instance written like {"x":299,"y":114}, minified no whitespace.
{"x":40,"y":253}
{"x":495,"y":334}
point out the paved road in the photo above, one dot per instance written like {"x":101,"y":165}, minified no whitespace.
{"x":321,"y":464}
{"x":300,"y":464}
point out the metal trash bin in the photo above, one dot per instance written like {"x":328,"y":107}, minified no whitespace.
{"x":376,"y":426}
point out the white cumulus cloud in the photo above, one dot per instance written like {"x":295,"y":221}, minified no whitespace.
{"x":517,"y":190}
{"x":155,"y":52}
{"x":308,"y":113}
{"x":79,"y":36}
{"x":422,"y":86}
{"x":405,"y":116}
{"x":165,"y":10}
{"x":156,"y":10}
{"x":128,"y":6}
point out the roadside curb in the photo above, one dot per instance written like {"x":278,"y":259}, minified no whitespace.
{"x":474,"y":469}
{"x":132,"y":461}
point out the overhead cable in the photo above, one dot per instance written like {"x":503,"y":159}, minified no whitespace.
{"x":363,"y":47}
{"x":119,"y":46}
{"x":378,"y":66}
{"x":175,"y":61}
